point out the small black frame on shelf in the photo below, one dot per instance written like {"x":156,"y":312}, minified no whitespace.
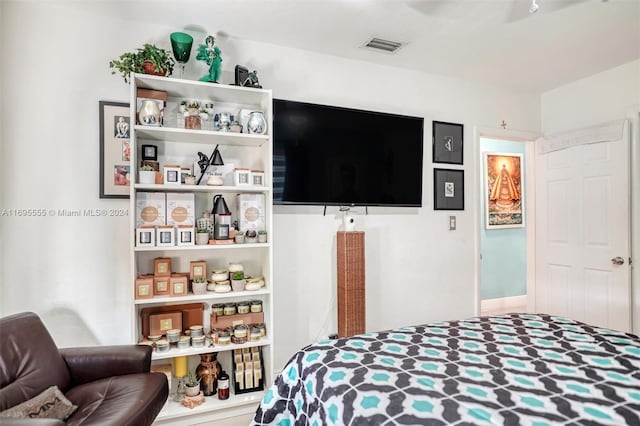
{"x":448,"y":142}
{"x":448,"y":189}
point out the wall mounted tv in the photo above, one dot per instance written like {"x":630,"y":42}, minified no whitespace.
{"x":327,"y":155}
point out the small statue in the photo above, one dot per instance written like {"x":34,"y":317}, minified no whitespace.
{"x":203,"y":162}
{"x":210,"y":53}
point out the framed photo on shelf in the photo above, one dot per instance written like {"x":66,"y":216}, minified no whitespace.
{"x":448,"y":142}
{"x":448,"y":189}
{"x":503,"y":183}
{"x":115,"y":149}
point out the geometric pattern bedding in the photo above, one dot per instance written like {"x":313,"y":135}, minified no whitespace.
{"x":516,"y":369}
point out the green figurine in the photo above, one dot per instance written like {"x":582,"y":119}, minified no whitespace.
{"x":210,"y":53}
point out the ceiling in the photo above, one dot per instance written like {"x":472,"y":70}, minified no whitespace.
{"x":491,"y":41}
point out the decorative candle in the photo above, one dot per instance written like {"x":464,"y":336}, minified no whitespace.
{"x":180,"y":366}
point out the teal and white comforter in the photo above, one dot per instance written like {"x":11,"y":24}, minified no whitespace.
{"x":503,"y":370}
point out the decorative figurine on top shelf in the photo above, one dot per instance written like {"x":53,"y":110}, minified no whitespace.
{"x":210,"y":53}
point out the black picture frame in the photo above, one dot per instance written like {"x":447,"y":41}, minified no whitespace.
{"x":448,"y":189}
{"x":115,"y":149}
{"x":448,"y":142}
{"x":149,"y":152}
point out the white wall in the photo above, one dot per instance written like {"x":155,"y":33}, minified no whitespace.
{"x":610,"y":95}
{"x":73,"y":271}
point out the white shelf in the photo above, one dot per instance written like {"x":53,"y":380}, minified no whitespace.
{"x":173,"y":410}
{"x":199,"y":188}
{"x":172,"y":134}
{"x":205,"y":247}
{"x":210,"y":295}
{"x":174,"y":352}
{"x":191,"y":89}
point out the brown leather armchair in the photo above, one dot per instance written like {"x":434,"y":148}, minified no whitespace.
{"x":111,"y":385}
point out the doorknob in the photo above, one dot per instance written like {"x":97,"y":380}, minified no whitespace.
{"x":617,"y":261}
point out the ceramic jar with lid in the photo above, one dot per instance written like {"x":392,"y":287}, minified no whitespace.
{"x":224,"y":337}
{"x":256,"y":306}
{"x":255,"y":333}
{"x":230,"y":309}
{"x":218,"y":309}
{"x":243,"y":307}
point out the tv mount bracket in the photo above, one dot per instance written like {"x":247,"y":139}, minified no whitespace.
{"x":346,"y":209}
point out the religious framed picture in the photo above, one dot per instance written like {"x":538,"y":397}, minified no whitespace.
{"x":115,"y":149}
{"x":503,"y":183}
{"x":448,"y":141}
{"x":448,"y":189}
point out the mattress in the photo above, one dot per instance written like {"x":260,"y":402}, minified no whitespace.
{"x":516,"y":369}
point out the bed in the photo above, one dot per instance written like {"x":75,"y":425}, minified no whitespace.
{"x":515,"y":369}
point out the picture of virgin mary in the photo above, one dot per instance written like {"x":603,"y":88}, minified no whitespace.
{"x":503,"y":190}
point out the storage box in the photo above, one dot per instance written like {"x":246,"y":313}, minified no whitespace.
{"x":151,"y":208}
{"x":224,"y":321}
{"x":161,"y":322}
{"x":197,"y":268}
{"x":162,"y":266}
{"x":180,"y":209}
{"x":165,"y":236}
{"x":144,"y":287}
{"x":186,"y":235}
{"x":251,"y":212}
{"x":161,"y":286}
{"x":178,"y":285}
{"x":146,"y":236}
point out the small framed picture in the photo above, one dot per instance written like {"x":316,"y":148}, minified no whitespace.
{"x":448,"y":189}
{"x":149,"y":152}
{"x":146,"y":236}
{"x":197,"y":268}
{"x":172,"y":174}
{"x":165,"y":236}
{"x":448,"y":141}
{"x":115,"y":165}
{"x":185,"y":235}
{"x":162,"y":266}
{"x":257,"y":177}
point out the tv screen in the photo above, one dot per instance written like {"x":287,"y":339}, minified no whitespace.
{"x":327,"y":155}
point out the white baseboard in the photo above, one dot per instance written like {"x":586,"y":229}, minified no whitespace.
{"x":503,"y":305}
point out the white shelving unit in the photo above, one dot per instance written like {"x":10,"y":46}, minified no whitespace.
{"x":180,"y":146}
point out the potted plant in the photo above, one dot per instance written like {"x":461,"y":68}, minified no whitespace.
{"x":262,"y":236}
{"x":202,"y":236}
{"x":189,"y":179}
{"x":199,"y":285}
{"x":239,"y":237}
{"x":237,"y":280}
{"x":147,"y":175}
{"x":192,"y":385}
{"x":149,"y":59}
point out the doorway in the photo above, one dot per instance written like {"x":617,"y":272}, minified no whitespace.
{"x":506,"y":254}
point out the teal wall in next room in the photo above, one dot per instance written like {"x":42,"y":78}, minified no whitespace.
{"x":504,"y":251}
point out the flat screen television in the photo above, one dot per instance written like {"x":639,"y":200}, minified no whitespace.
{"x":327,"y":155}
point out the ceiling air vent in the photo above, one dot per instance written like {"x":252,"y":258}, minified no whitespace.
{"x":383,"y":45}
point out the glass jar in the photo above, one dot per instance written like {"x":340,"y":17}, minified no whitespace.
{"x":263,"y":329}
{"x":255,"y":333}
{"x":218,"y":309}
{"x":244,"y":307}
{"x":256,"y":306}
{"x":229,"y":309}
{"x":223,"y":385}
{"x":224,"y":337}
{"x":240,"y":331}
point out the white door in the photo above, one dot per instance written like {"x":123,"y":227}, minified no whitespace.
{"x":583,"y":230}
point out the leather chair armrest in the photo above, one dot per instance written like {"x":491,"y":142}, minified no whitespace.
{"x":87,"y":364}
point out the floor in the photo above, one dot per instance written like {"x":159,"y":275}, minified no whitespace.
{"x":500,"y":311}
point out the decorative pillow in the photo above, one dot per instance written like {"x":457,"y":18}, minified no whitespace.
{"x":50,"y":404}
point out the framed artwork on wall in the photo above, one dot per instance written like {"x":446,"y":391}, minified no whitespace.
{"x":503,"y":183}
{"x":448,"y":141}
{"x":448,"y":189}
{"x":115,"y":149}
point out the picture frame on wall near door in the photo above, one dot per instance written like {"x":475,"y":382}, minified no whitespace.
{"x":503,"y":187}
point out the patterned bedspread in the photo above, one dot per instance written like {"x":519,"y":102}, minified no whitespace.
{"x":503,"y":370}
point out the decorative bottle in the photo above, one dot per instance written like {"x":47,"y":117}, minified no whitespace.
{"x":208,"y":371}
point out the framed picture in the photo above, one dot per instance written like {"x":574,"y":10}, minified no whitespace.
{"x":448,"y":141}
{"x":503,"y":183}
{"x":448,"y":189}
{"x":115,"y":149}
